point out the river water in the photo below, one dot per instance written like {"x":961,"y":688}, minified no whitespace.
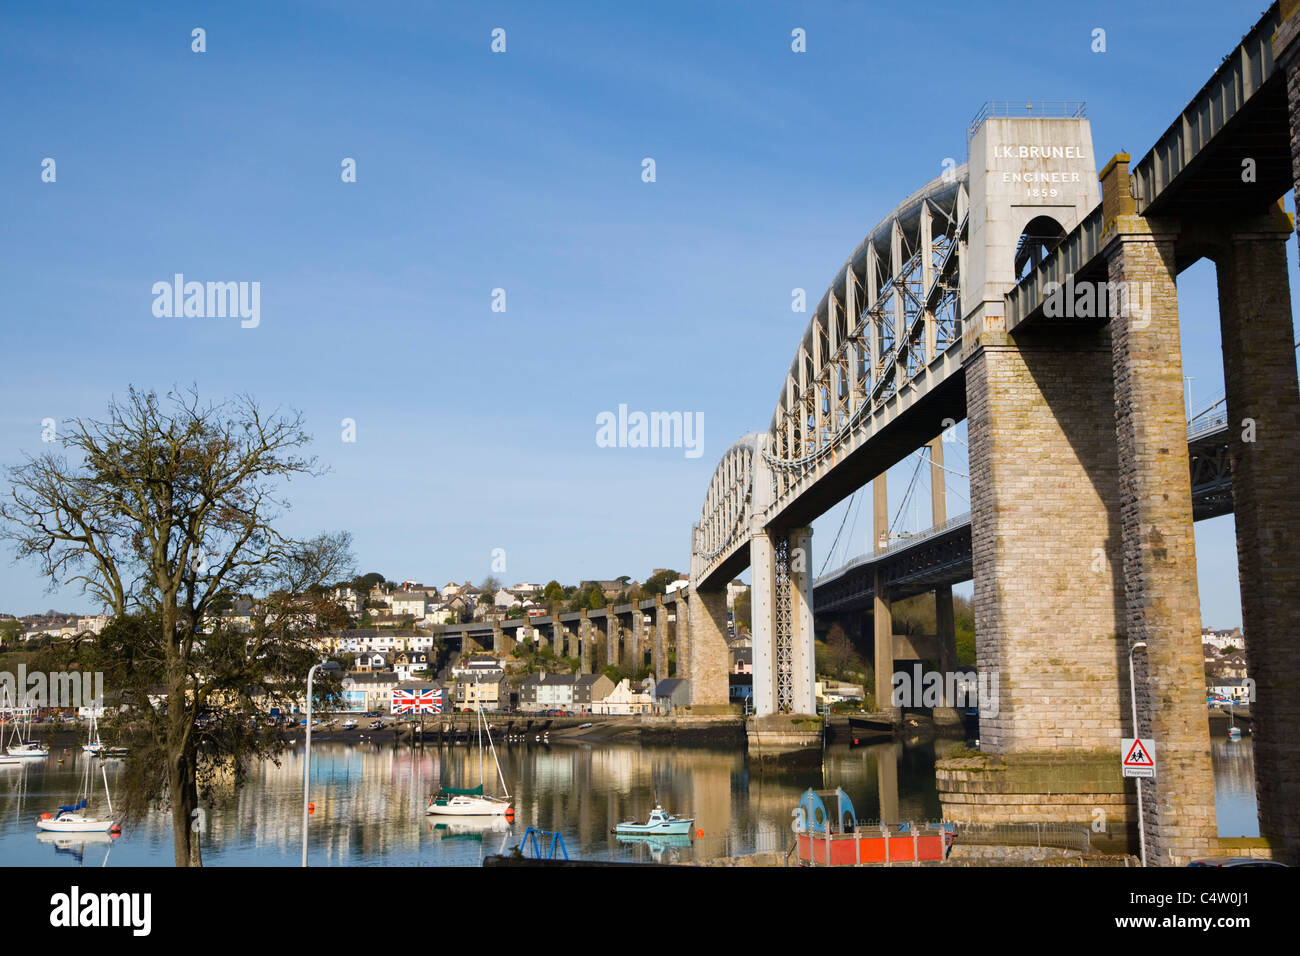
{"x":369,"y":803}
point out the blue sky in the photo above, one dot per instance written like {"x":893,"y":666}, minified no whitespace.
{"x":521,"y":171}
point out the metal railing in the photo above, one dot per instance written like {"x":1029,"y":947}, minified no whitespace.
{"x":1045,"y":109}
{"x":1066,"y":836}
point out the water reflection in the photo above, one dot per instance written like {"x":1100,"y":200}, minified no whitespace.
{"x":370,"y":800}
{"x":1234,"y":786}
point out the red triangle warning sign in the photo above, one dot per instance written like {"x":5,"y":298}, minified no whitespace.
{"x":1137,"y":756}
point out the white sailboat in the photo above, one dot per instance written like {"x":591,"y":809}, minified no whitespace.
{"x":93,"y":745}
{"x":21,"y":746}
{"x":75,"y":819}
{"x":472,"y":802}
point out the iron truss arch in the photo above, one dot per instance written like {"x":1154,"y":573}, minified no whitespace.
{"x":728,"y":506}
{"x":892,"y":307}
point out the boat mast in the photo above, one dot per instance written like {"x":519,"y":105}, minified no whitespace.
{"x":478,"y":715}
{"x":495,"y":760}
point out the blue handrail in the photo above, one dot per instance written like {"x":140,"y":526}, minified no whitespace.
{"x":535,"y":838}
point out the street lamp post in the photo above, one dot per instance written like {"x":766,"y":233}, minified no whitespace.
{"x":306,"y":769}
{"x":1132,"y":690}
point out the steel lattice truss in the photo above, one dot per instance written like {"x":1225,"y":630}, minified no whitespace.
{"x":727,"y":506}
{"x":892,"y":308}
{"x":890,"y":321}
{"x":783,"y":626}
{"x":1211,"y":464}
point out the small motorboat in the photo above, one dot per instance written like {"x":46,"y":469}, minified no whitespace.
{"x":348,"y":725}
{"x":660,"y":823}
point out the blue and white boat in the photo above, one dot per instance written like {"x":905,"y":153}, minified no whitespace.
{"x":660,"y":823}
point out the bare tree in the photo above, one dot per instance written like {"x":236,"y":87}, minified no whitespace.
{"x":165,"y":515}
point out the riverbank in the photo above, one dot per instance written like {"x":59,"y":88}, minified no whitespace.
{"x":711,"y":730}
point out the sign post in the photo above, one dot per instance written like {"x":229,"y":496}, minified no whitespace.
{"x":1139,"y":756}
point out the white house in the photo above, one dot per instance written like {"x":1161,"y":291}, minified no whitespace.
{"x":1234,"y":688}
{"x":413,"y":604}
{"x":477,"y":663}
{"x":348,"y":598}
{"x":440,"y":614}
{"x":370,"y":661}
{"x":92,"y":625}
{"x":409,"y":663}
{"x":624,"y":700}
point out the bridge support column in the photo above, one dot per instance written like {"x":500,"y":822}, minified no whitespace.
{"x":882,"y":618}
{"x":1264,"y":446}
{"x":946,"y":637}
{"x":1049,"y":600}
{"x":586,"y":641}
{"x":782,"y":623}
{"x":660,"y":653}
{"x":762,"y":569}
{"x":599,"y":644}
{"x":574,"y":651}
{"x":612,"y":656}
{"x":802,"y":665}
{"x":707,"y":647}
{"x":1159,"y":549}
{"x":637,"y":652}
{"x":682,"y":636}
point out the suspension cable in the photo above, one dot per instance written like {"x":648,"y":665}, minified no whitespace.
{"x":831,"y":550}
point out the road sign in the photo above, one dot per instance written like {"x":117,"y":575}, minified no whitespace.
{"x":1139,"y":756}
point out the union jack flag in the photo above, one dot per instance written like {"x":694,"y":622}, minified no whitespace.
{"x":422,"y":700}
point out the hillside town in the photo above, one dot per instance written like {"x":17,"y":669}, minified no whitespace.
{"x":385,"y":636}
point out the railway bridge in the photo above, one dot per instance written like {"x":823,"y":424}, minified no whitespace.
{"x":1036,"y":299}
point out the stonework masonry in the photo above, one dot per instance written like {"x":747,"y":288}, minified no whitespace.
{"x":802,"y":665}
{"x":637,"y":650}
{"x":586,"y":641}
{"x":1159,"y":548}
{"x":1264,"y":446}
{"x":707,"y":653}
{"x":1045,"y":540}
{"x":682,"y":635}
{"x":660,"y":654}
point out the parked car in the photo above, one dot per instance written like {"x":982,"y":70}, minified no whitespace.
{"x":1233,"y":861}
